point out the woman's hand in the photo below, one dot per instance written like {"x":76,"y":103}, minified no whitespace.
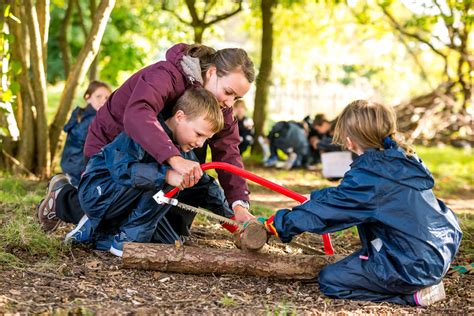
{"x":242,"y":214}
{"x":190,"y":170}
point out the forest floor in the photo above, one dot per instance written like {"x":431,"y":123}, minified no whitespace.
{"x":40,"y":275}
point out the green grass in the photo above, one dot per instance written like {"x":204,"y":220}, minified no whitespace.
{"x":20,"y":234}
{"x":452,"y":168}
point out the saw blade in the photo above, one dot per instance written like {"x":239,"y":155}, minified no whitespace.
{"x":207,"y":213}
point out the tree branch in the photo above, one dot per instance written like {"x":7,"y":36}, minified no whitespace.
{"x":81,"y":18}
{"x":164,"y":7}
{"x":412,"y":35}
{"x":62,"y":38}
{"x":225,"y":16}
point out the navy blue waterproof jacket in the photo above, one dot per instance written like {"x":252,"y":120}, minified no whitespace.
{"x":123,"y":165}
{"x":407,"y":234}
{"x":72,"y":160}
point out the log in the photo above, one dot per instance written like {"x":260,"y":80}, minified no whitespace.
{"x":253,"y":238}
{"x":194,"y":260}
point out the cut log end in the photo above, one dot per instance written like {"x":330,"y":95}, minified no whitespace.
{"x":253,"y":238}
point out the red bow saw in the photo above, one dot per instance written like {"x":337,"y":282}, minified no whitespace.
{"x":328,"y":249}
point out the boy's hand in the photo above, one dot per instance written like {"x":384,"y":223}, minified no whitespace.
{"x":174,"y":178}
{"x":242,"y":214}
{"x":190,"y":170}
{"x":268,"y":224}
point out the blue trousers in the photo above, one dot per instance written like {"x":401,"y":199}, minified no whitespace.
{"x":347,"y":279}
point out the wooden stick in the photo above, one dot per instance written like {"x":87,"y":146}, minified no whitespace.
{"x":193,"y":260}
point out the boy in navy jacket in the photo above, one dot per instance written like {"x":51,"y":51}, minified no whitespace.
{"x":408,"y":237}
{"x":117,"y":188}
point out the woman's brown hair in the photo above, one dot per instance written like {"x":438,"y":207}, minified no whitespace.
{"x":225,"y":60}
{"x":368,"y":124}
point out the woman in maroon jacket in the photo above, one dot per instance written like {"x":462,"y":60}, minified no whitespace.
{"x":134,"y":107}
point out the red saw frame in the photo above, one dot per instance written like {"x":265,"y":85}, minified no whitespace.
{"x":328,"y":249}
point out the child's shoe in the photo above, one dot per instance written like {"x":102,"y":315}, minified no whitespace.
{"x":289,"y":163}
{"x":117,"y":244}
{"x":270,"y":162}
{"x":46,"y":209}
{"x":81,"y":233}
{"x":430,"y":295}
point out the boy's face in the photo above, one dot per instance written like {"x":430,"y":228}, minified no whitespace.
{"x":191,"y":133}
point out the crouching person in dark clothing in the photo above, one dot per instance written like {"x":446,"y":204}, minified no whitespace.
{"x":408,"y":237}
{"x":117,"y":188}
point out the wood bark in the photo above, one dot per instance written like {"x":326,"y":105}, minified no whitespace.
{"x":26,"y":119}
{"x":194,"y":260}
{"x":80,"y":68}
{"x":39,"y":90}
{"x":42,"y":10}
{"x":266,"y":64}
{"x":62,"y":38}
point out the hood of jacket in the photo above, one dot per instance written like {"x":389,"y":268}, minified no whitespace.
{"x":393,"y":164}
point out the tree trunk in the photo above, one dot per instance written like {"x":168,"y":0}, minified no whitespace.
{"x":78,"y":72}
{"x":26,"y":120}
{"x":263,"y":78}
{"x":194,"y":260}
{"x":95,"y":63}
{"x":198,"y":31}
{"x":62,"y":38}
{"x":42,"y":11}
{"x":39,"y":90}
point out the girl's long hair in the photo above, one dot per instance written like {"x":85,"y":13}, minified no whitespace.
{"x":368,"y":124}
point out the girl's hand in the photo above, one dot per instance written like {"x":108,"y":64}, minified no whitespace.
{"x":190,"y":170}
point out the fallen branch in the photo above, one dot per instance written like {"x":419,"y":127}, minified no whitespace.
{"x":193,"y":260}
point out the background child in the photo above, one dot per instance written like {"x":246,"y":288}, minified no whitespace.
{"x":246,"y":130}
{"x":408,"y":237}
{"x":291,"y":138}
{"x":117,"y":188}
{"x":72,"y":160}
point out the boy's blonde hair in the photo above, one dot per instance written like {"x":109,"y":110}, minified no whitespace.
{"x":199,"y":102}
{"x":367,"y":124}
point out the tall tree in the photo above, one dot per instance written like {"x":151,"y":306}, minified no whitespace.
{"x":422,"y":26}
{"x":265,"y":70}
{"x":200,"y":21}
{"x":30,"y":52}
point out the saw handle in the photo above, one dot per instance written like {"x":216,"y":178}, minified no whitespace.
{"x":328,"y":249}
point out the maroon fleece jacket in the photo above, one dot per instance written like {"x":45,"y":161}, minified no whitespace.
{"x":134,"y":107}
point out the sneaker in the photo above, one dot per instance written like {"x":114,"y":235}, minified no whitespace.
{"x":430,"y":295}
{"x":270,"y":162}
{"x":104,"y":242}
{"x":289,"y":163}
{"x":81,"y":233}
{"x":46,"y":209}
{"x":117,"y":244}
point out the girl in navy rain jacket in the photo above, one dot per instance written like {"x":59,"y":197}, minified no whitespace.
{"x":72,"y":159}
{"x":408,"y":237}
